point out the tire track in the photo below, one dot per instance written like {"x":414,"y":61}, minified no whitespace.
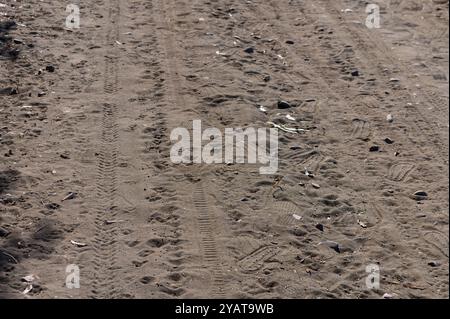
{"x":105,"y":240}
{"x":206,"y":219}
{"x":105,"y":244}
{"x":381,"y":56}
{"x":326,"y":43}
{"x":207,"y":226}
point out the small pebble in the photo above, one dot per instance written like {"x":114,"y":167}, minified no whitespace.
{"x":249,"y":50}
{"x":284,"y":105}
{"x":434,"y":264}
{"x":420,"y":196}
{"x":50,"y":68}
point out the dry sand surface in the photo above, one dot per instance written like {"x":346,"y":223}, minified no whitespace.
{"x":89,"y":112}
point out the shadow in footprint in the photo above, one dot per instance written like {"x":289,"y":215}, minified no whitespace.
{"x":7,"y":179}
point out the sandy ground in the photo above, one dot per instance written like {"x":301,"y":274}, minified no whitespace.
{"x":90,"y":112}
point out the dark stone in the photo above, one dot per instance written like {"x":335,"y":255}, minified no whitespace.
{"x":8,"y":91}
{"x":249,"y":50}
{"x":420,"y":196}
{"x":50,"y":68}
{"x":282,"y":105}
{"x":434,"y":264}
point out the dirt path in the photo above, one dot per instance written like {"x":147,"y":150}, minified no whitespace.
{"x":139,"y":226}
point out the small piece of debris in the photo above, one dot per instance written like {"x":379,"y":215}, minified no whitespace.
{"x":316,"y":186}
{"x":290,"y":117}
{"x":297,"y":217}
{"x":286,"y":129}
{"x":320,"y":227}
{"x":69,"y":196}
{"x":363,"y":225}
{"x":390,"y":118}
{"x":262,"y":109}
{"x":78,"y":244}
{"x":29,"y":278}
{"x":28,"y":289}
{"x":389,"y":296}
{"x":111,"y":222}
{"x":309,"y":174}
{"x":374,"y":148}
{"x":388,"y":141}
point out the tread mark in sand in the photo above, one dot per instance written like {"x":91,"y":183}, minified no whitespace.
{"x":206,"y":221}
{"x":286,"y":211}
{"x":361,"y":130}
{"x":255,"y":261}
{"x":105,"y":243}
{"x":311,"y":160}
{"x":400,"y":171}
{"x":438,"y":240}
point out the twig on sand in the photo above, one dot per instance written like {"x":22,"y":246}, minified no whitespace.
{"x":287,"y":129}
{"x":10,"y":256}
